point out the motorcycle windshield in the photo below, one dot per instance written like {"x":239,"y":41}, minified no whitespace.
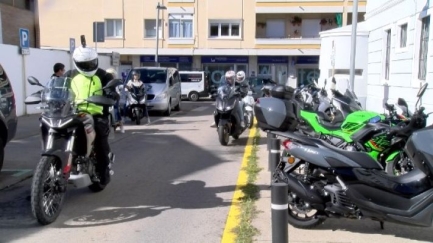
{"x":58,"y":98}
{"x":225,"y":91}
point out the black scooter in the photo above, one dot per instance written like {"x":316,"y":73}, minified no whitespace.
{"x":226,"y":114}
{"x":137,"y":106}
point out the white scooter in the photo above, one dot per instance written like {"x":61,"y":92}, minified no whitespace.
{"x":249,"y":102}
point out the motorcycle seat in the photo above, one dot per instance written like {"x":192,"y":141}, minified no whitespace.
{"x":361,"y":158}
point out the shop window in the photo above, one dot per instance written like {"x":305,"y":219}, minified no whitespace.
{"x":307,"y":75}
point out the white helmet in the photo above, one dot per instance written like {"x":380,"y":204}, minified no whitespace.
{"x":240,"y":76}
{"x":112,"y":71}
{"x":85,"y":60}
{"x":230,"y":76}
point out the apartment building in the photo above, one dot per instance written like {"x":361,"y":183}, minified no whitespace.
{"x":273,"y":38}
{"x":16,"y":14}
{"x":399,"y":51}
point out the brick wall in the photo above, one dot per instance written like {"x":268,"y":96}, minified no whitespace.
{"x":12,"y":20}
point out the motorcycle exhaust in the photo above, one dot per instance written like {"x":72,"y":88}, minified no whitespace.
{"x":303,"y":191}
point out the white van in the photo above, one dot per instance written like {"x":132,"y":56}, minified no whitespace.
{"x":194,"y":85}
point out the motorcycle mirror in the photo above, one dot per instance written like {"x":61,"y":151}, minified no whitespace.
{"x":34,"y":81}
{"x":422,"y":90}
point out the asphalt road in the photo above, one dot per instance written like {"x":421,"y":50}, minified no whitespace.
{"x":173,"y":182}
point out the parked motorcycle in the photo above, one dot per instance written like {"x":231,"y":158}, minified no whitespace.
{"x":338,"y":183}
{"x":360,"y":131}
{"x":137,"y":98}
{"x":68,"y":152}
{"x":248,"y":101}
{"x":226,"y":114}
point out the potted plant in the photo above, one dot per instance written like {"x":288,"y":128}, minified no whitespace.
{"x":323,"y":22}
{"x":296,"y":21}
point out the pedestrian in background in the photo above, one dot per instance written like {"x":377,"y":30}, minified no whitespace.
{"x":59,"y":70}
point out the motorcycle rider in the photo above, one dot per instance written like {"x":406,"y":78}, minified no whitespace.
{"x":86,"y":79}
{"x":230,"y":77}
{"x":119,"y":120}
{"x":136,"y":82}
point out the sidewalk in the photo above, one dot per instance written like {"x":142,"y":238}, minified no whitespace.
{"x":333,"y":230}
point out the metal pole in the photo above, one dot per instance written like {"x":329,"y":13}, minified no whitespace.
{"x":157,"y":36}
{"x":279,"y":206}
{"x":353,"y":46}
{"x":274,"y":154}
{"x":269,"y":137}
{"x":96,"y":36}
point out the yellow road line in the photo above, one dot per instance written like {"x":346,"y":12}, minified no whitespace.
{"x":233,"y":217}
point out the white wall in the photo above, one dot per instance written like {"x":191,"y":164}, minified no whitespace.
{"x":403,"y":81}
{"x":38,"y":64}
{"x":342,"y":45}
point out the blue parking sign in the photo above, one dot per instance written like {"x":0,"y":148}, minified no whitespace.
{"x":24,"y":41}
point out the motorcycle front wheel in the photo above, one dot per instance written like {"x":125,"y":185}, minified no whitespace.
{"x":47,"y":191}
{"x":223,"y":135}
{"x":138,"y":118}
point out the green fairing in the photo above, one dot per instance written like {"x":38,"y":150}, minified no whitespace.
{"x":392,"y":156}
{"x":353,"y":122}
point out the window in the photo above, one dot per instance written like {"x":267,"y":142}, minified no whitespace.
{"x":403,"y":35}
{"x":223,"y":29}
{"x":423,"y":49}
{"x":150,"y":28}
{"x":191,"y":77}
{"x":113,"y":28}
{"x":181,"y":26}
{"x":387,"y":53}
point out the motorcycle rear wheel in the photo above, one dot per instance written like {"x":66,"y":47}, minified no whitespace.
{"x":298,"y":207}
{"x":46,"y":208}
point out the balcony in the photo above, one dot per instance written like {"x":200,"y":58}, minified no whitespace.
{"x":284,"y":29}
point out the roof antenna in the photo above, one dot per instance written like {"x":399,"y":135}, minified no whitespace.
{"x":83,"y":40}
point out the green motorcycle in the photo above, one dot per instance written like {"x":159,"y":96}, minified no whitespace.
{"x":358,"y":130}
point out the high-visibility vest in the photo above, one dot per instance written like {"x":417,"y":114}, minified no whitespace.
{"x":84,"y":87}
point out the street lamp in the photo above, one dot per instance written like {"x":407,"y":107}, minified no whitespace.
{"x":158,"y":7}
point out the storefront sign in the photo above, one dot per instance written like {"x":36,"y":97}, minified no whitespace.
{"x":167,"y":59}
{"x":272,"y":59}
{"x":226,"y":59}
{"x":307,"y":60}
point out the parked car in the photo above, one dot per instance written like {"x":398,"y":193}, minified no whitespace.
{"x":165,"y":89}
{"x":257,"y":83}
{"x":8,"y":113}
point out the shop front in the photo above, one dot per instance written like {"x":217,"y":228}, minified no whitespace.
{"x":273,"y":67}
{"x":217,"y":66}
{"x":182,"y":63}
{"x":307,"y":69}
